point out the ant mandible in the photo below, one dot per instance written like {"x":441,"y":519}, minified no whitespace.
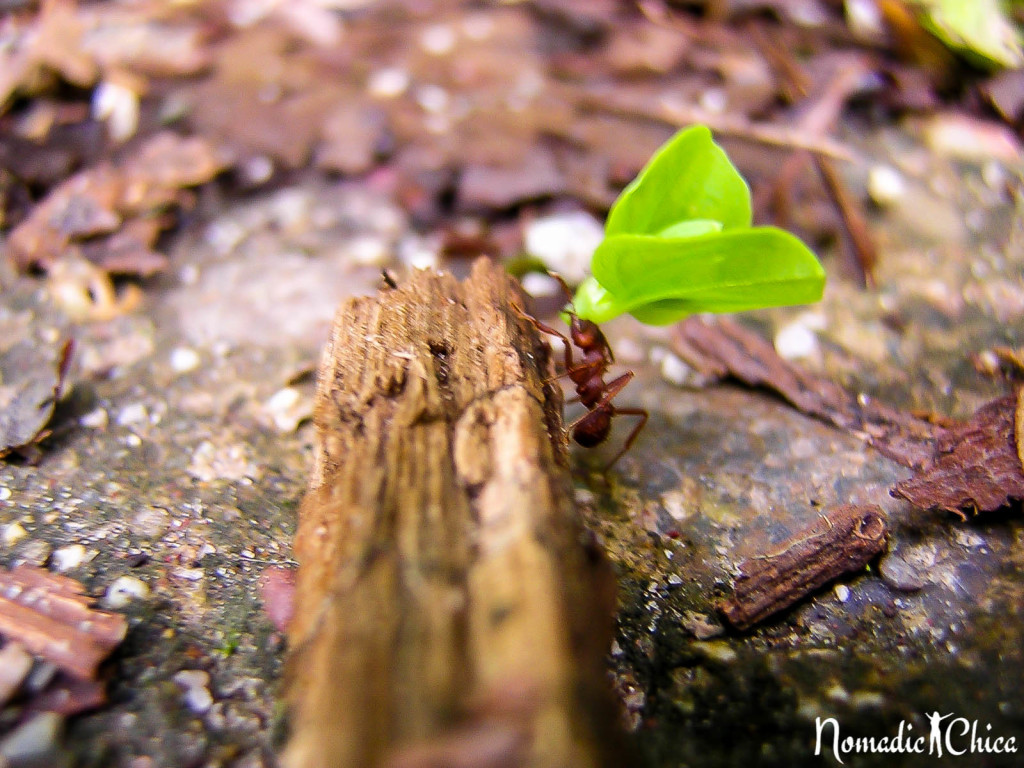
{"x":593,"y":427}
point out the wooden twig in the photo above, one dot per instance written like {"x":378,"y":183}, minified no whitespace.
{"x":679,"y":115}
{"x":448,"y":611}
{"x":841,"y":542}
{"x":865,"y":255}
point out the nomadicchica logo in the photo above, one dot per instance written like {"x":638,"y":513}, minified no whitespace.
{"x":947,"y":735}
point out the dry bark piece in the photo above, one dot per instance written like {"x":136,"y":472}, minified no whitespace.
{"x":50,"y":615}
{"x":748,"y":357}
{"x":840,"y":542}
{"x":32,"y":379}
{"x":447,"y":610}
{"x":977,"y":465}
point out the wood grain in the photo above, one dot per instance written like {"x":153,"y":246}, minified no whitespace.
{"x":450,"y":609}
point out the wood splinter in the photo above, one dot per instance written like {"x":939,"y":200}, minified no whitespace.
{"x":841,"y":542}
{"x":449,"y":610}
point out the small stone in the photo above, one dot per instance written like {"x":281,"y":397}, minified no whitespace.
{"x":432,"y":98}
{"x":538,"y":285}
{"x":118,"y":105}
{"x":368,"y":251}
{"x":124,"y":590}
{"x":899,"y":574}
{"x":184,"y":359}
{"x":438,"y":39}
{"x":842,"y":593}
{"x":34,"y":742}
{"x":12,"y":533}
{"x":35,"y":552}
{"x":287,"y":408}
{"x":151,"y":522}
{"x":97,"y":418}
{"x":565,"y":242}
{"x":674,"y":370}
{"x":388,"y":83}
{"x":886,"y":185}
{"x":837,"y":693}
{"x":195,"y":684}
{"x":15,"y":663}
{"x":5,"y":493}
{"x":795,"y":341}
{"x":703,"y":627}
{"x":136,"y":413}
{"x":221,"y":462}
{"x":718,"y":650}
{"x":70,"y":557}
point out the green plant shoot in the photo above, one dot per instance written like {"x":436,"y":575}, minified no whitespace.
{"x":679,"y":241}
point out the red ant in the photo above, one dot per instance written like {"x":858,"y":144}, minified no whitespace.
{"x":593,"y":427}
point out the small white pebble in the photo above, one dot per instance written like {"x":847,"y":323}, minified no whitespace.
{"x":438,"y":39}
{"x":886,"y":185}
{"x":70,"y":557}
{"x":257,"y":170}
{"x":119,"y":106}
{"x":714,"y":100}
{"x":432,"y":98}
{"x":796,"y":341}
{"x":184,"y":359}
{"x":837,"y":693}
{"x":368,"y":250}
{"x":674,"y":370}
{"x":124,"y":590}
{"x":12,"y":533}
{"x":864,"y":18}
{"x":564,"y":242}
{"x":538,"y":285}
{"x":5,"y":493}
{"x":135,"y":413}
{"x":388,"y":83}
{"x":842,"y":593}
{"x":97,"y":418}
{"x":35,"y":741}
{"x":195,"y":683}
{"x":287,"y":409}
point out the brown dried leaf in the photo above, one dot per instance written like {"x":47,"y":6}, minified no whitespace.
{"x":743,"y":354}
{"x":51,"y":43}
{"x":121,"y":201}
{"x":31,"y":381}
{"x":977,"y":466}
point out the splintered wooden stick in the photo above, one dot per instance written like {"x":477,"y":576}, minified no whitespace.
{"x":449,"y":610}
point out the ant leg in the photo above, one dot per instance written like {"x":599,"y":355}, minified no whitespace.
{"x":565,"y":285}
{"x":644,"y":416}
{"x":613,"y":387}
{"x":566,"y":344}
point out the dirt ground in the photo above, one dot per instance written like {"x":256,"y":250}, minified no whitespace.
{"x":189,"y":190}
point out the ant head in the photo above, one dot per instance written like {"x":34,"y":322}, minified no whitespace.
{"x":586,"y":334}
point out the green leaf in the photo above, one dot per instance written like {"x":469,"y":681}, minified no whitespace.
{"x":661,"y":280}
{"x":690,"y":177}
{"x":976,"y":27}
